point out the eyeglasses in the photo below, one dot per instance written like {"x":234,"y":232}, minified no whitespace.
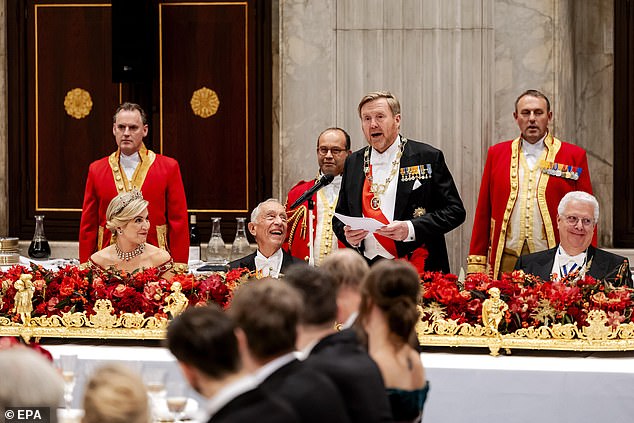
{"x":335,"y":151}
{"x":585,"y":221}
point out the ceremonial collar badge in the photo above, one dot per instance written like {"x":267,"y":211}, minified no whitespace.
{"x":560,"y":170}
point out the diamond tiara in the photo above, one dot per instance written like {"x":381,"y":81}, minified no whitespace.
{"x":127,"y":198}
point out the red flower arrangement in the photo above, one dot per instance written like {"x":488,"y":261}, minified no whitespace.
{"x":531,"y":302}
{"x":76,"y":289}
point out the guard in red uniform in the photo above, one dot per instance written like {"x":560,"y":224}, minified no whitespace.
{"x":134,"y":166}
{"x":523,"y":181}
{"x":333,"y":147}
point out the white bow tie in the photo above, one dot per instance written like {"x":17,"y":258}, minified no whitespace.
{"x":267,"y":266}
{"x":571,"y":263}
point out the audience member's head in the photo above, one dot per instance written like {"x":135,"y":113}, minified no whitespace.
{"x":577,"y":214}
{"x":319,"y":294}
{"x":29,"y":380}
{"x":348,"y":268}
{"x":115,"y":394}
{"x":391,"y":288}
{"x":203,"y":340}
{"x":267,"y":313}
{"x":268,"y":226}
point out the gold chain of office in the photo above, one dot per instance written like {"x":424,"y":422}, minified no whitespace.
{"x":379,"y":189}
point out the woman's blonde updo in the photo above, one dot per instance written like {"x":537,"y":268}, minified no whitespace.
{"x":123,"y":208}
{"x":115,"y":394}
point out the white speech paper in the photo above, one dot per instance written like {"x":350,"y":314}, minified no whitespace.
{"x":367,"y":223}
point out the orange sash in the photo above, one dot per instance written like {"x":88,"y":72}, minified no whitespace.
{"x":368,"y":211}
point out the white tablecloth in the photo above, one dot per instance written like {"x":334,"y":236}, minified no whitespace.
{"x":466,"y":386}
{"x":469,"y":387}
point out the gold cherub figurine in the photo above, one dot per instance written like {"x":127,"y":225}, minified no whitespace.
{"x":493,"y":310}
{"x":23,"y":298}
{"x":176,"y":301}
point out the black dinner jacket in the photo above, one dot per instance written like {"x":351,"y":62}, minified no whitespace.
{"x":255,"y":406}
{"x":249,"y":262}
{"x":357,"y":377}
{"x":312,"y":395}
{"x":605,"y":265}
{"x":437,"y":196}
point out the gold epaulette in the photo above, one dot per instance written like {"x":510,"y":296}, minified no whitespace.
{"x":476,"y":264}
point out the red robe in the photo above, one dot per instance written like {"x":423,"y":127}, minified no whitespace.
{"x":297,"y":237}
{"x":499,"y":191}
{"x":159,"y":179}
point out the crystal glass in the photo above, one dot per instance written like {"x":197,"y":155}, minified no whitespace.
{"x":154,"y":379}
{"x":216,"y":251}
{"x":240,"y":246}
{"x":39,"y":248}
{"x":68,"y":366}
{"x":177,"y":400}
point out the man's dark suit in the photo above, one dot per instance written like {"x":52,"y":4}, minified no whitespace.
{"x":604,"y":265}
{"x":312,"y":395}
{"x":357,"y":377}
{"x":255,"y":406}
{"x":437,"y":199}
{"x":248,"y":262}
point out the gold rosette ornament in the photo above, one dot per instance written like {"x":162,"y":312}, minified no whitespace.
{"x":78,"y":103}
{"x":204,"y":102}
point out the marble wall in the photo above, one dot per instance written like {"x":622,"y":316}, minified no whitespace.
{"x":436,"y":56}
{"x":457,"y":67}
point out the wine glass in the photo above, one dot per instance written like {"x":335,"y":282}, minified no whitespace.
{"x":68,"y":364}
{"x":154,"y":379}
{"x":176,"y":400}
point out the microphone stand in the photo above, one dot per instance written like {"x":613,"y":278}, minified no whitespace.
{"x":311,"y":235}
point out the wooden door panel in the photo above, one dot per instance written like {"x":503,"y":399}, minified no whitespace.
{"x":73,"y":97}
{"x":203,"y":59}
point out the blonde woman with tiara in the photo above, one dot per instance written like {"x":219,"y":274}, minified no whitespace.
{"x":127,"y":219}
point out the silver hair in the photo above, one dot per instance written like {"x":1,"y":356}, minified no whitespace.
{"x":582,"y":197}
{"x":29,"y":380}
{"x":256,"y":211}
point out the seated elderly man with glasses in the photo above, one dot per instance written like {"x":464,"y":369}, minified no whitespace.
{"x":574,"y":257}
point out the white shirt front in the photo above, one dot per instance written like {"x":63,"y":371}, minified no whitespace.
{"x":533,"y":151}
{"x":381,"y":168}
{"x":565,"y":264}
{"x":270,"y":266}
{"x":129,"y":164}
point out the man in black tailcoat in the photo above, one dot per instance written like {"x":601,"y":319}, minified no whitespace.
{"x":402,"y":183}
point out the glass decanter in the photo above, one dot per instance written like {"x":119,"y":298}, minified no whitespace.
{"x":39,"y":248}
{"x":240,"y":246}
{"x":216,"y":251}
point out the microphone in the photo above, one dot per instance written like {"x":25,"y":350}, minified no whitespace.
{"x":325,"y":179}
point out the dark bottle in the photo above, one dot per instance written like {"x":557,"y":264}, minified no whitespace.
{"x":194,"y":239}
{"x":39,"y":248}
